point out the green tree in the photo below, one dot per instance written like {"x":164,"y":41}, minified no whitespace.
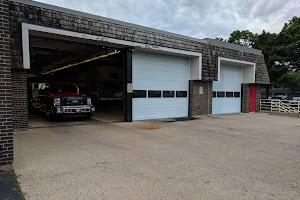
{"x":284,"y":58}
{"x":288,"y":45}
{"x":244,"y":38}
{"x":290,"y":80}
{"x":221,"y":39}
{"x":265,"y":42}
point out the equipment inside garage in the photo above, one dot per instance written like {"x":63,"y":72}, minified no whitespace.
{"x":97,"y":71}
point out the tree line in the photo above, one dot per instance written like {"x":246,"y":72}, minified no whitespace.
{"x":281,"y":52}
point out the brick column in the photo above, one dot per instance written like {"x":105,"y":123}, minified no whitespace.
{"x":200,"y":104}
{"x":245,"y":98}
{"x":6,"y":129}
{"x":19,"y":99}
{"x":257,"y":98}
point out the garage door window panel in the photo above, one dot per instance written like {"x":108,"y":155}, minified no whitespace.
{"x":154,"y":94}
{"x":181,"y":93}
{"x":229,"y":94}
{"x":220,"y":94}
{"x":237,"y":94}
{"x":214,"y":94}
{"x":168,"y":94}
{"x":139,"y":94}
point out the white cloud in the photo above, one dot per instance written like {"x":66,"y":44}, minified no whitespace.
{"x":266,"y":7}
{"x":196,"y":18}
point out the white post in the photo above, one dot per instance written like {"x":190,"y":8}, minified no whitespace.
{"x":260,"y":105}
{"x":271,"y":105}
{"x":280,"y":106}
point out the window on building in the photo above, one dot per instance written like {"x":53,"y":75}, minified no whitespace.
{"x":168,"y":94}
{"x":229,"y":94}
{"x":139,"y":93}
{"x":154,"y":94}
{"x":220,"y":94}
{"x":181,"y":93}
{"x":237,"y":94}
{"x":214,"y":94}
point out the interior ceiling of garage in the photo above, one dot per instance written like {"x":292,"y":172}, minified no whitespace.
{"x":48,"y":53}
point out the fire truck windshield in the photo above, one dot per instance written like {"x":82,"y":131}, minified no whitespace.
{"x":58,"y":88}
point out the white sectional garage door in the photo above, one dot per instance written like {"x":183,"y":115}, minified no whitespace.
{"x":227,"y":91}
{"x":160,"y":84}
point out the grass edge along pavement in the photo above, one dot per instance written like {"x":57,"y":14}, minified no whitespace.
{"x":14,"y":178}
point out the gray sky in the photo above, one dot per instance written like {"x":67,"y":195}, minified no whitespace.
{"x":195,"y":18}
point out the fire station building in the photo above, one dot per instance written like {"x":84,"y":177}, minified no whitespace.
{"x":144,"y":73}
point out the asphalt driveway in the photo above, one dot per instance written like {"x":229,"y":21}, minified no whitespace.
{"x":242,"y":156}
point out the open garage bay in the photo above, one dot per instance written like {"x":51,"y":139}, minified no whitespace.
{"x":95,"y":70}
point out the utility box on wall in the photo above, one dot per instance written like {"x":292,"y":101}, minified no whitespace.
{"x":200,"y":90}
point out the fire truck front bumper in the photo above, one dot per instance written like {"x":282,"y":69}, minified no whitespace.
{"x":73,"y":109}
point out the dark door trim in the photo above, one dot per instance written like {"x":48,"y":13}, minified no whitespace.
{"x":127,"y":75}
